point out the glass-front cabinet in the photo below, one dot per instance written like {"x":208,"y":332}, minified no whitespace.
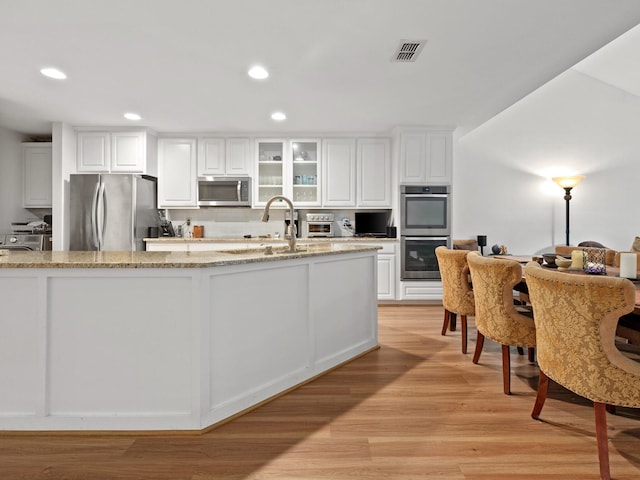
{"x":289,"y":168}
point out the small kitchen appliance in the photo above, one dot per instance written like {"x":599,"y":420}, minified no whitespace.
{"x":320,"y":225}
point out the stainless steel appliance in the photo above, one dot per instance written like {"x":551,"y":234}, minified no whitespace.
{"x":320,"y":225}
{"x":224,"y":191}
{"x":425,"y":216}
{"x":425,"y":210}
{"x":111,"y":211}
{"x":419,"y":260}
{"x":36,"y":242}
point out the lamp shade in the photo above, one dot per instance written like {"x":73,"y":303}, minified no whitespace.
{"x":569,"y":181}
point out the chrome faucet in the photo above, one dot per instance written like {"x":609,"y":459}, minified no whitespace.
{"x":291,"y":227}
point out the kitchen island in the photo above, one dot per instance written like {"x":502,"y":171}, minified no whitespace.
{"x":174,"y":340}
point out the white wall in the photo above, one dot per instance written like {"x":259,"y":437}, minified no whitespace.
{"x":573,"y":125}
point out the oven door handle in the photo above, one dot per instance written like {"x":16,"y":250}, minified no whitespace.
{"x":425,"y":195}
{"x":425,"y":238}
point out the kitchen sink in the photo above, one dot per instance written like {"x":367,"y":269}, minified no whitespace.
{"x":267,"y":250}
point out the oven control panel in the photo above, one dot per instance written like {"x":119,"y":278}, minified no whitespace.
{"x":319,"y":217}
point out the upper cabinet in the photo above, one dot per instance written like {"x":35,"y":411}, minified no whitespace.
{"x":36,"y":170}
{"x":339,"y":172}
{"x":290,"y":168}
{"x":177,"y":172}
{"x":374,"y":172}
{"x":356,"y":172}
{"x":220,"y":156}
{"x":425,"y":156}
{"x":116,"y":152}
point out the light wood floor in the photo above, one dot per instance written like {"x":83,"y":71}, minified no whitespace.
{"x":416,"y":408}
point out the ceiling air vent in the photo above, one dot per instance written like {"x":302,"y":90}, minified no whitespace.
{"x":408,"y":50}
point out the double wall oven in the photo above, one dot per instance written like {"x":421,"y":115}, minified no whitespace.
{"x":425,"y":214}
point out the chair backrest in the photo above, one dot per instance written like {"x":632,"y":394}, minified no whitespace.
{"x":457,"y":296}
{"x":496,"y":316}
{"x":576,"y":317}
{"x":566,"y":250}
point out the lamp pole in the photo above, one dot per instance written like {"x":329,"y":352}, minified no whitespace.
{"x":568,"y":183}
{"x":567,"y":197}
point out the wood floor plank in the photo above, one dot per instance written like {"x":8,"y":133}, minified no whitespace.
{"x":414,"y":409}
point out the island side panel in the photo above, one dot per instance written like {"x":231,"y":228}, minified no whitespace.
{"x":119,"y":345}
{"x":345,"y":314}
{"x":259,"y":334}
{"x":21,"y":366}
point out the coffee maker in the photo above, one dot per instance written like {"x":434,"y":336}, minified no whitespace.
{"x":287,"y":222}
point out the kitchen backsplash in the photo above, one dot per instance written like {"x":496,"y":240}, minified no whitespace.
{"x":237,"y":222}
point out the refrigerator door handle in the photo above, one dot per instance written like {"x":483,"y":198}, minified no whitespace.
{"x":100,"y":216}
{"x":94,"y":217}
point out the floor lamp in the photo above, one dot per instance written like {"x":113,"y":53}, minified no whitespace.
{"x":568,"y":183}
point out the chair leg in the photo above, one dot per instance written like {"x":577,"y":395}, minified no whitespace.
{"x":452,"y":321}
{"x":543,"y":387}
{"x":611,"y":409}
{"x":531,"y":354}
{"x":445,"y":324}
{"x":602,"y":440}
{"x":520,"y":351}
{"x":479,"y":345}
{"x":463,"y":327}
{"x":506,"y":370}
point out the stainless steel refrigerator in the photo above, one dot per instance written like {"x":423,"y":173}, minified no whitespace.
{"x":111,"y":211}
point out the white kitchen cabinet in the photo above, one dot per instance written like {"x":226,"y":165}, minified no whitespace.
{"x":116,"y":152}
{"x":421,"y":290}
{"x":224,"y":156}
{"x":339,"y":172}
{"x":290,"y":168}
{"x":374,"y":172}
{"x":425,"y":157}
{"x":36,"y":175}
{"x":177,"y":172}
{"x":386,"y":269}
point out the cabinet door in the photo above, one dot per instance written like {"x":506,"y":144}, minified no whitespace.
{"x":37,"y":183}
{"x":413,"y":158}
{"x":128,"y":152}
{"x":177,"y":180}
{"x":305,"y":168}
{"x":211,"y":156}
{"x":238,"y":157}
{"x":94,"y":152}
{"x":439,"y":158}
{"x":272,"y":176}
{"x":374,"y":172}
{"x":339,"y":173}
{"x":386,"y":277}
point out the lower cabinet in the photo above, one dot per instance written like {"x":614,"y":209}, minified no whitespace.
{"x":421,"y":290}
{"x":387,"y":276}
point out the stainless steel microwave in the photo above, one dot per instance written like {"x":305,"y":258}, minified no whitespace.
{"x":224,"y":191}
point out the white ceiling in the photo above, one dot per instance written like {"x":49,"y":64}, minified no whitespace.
{"x":182,"y":64}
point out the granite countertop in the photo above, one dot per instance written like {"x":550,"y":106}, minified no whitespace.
{"x":23,"y":259}
{"x":259,"y":240}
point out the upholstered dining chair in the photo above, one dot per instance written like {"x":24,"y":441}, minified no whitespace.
{"x":576,"y":318}
{"x":496,"y":315}
{"x":457,"y":296}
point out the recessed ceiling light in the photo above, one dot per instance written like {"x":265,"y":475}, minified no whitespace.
{"x":278,"y":116}
{"x":258,"y":72}
{"x":53,"y":73}
{"x":132,"y":116}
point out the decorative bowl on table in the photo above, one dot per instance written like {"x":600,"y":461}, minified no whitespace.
{"x":562,"y":262}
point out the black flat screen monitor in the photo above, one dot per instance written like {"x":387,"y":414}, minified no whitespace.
{"x":371,"y":224}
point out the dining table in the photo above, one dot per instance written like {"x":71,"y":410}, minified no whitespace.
{"x":611,"y":271}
